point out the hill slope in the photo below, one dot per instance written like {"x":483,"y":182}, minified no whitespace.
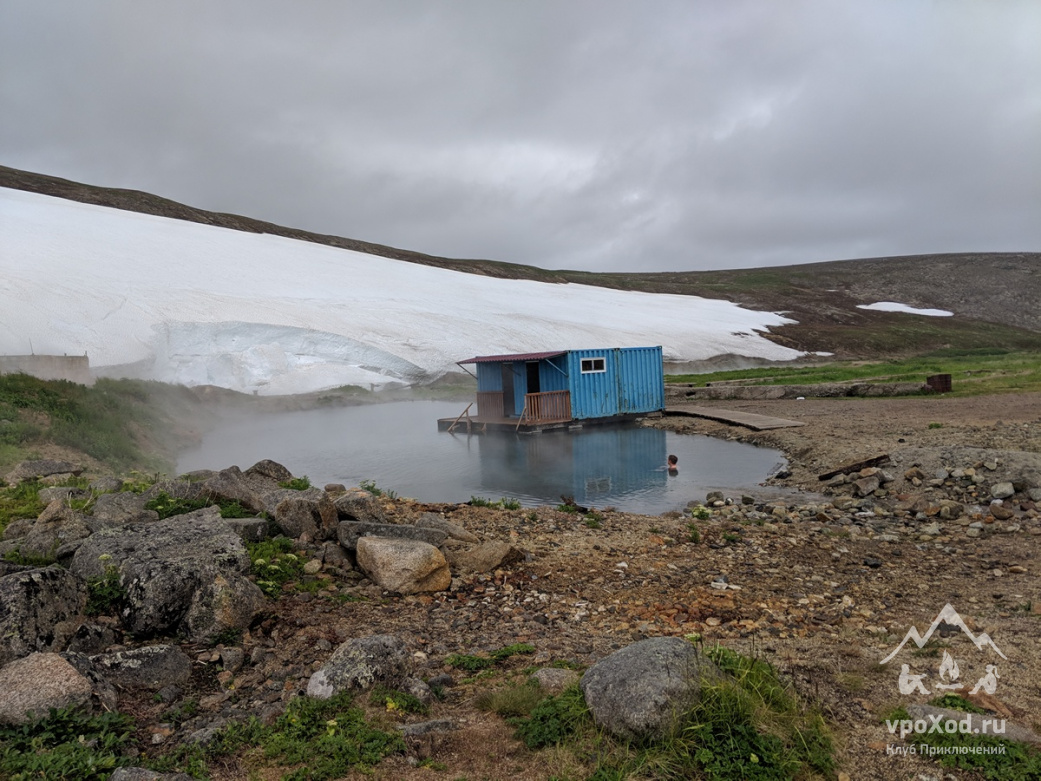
{"x":992,"y":295}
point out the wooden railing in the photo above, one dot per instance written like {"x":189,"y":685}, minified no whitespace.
{"x":552,"y":406}
{"x":489,"y":405}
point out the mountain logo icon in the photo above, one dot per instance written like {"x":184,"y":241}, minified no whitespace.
{"x":950,"y":617}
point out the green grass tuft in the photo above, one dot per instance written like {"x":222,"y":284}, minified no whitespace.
{"x":105,"y":594}
{"x":66,"y":744}
{"x":973,"y":371}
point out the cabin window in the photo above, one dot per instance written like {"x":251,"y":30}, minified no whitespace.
{"x":593,"y":365}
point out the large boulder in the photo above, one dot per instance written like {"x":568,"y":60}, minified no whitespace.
{"x":225,"y":601}
{"x":308,"y":513}
{"x":183,"y":574}
{"x":38,"y":607}
{"x":57,"y":527}
{"x":37,"y":683}
{"x":453,"y":530}
{"x":403,"y":566}
{"x":484,"y":558}
{"x":121,"y":508}
{"x":644,"y":691}
{"x":349,"y":532}
{"x":34,"y":470}
{"x":269,"y":470}
{"x":360,"y":664}
{"x":232,"y":485}
{"x":357,"y":504}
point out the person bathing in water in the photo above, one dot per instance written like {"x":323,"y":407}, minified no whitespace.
{"x":673,"y":465}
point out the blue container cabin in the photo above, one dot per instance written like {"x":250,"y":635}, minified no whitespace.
{"x":535,"y":391}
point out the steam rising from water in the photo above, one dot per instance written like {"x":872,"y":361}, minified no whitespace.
{"x":397,"y":446}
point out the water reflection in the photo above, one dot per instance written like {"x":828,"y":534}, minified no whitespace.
{"x":594,"y":466}
{"x":397,"y":446}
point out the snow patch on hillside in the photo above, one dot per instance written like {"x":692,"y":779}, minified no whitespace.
{"x":894,"y":306}
{"x":187,"y":303}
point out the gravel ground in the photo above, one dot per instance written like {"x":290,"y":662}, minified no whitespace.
{"x":823,"y":583}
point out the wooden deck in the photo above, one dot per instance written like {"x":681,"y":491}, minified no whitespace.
{"x":482,"y":425}
{"x":746,"y":419}
{"x":542,"y":411}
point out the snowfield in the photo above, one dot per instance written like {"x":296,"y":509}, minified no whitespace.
{"x":179,"y":302}
{"x":894,"y":306}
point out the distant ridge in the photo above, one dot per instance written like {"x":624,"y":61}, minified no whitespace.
{"x":948,"y":615}
{"x":992,"y":295}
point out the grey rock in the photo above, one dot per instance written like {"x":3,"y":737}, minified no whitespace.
{"x":309,"y":513}
{"x":334,"y":555}
{"x":30,"y":470}
{"x":360,"y":664}
{"x":865,"y":486}
{"x":349,"y":532}
{"x":484,"y":558}
{"x":249,"y":529}
{"x":106,"y":485}
{"x":554,"y":679}
{"x":35,"y":684}
{"x":175,"y":489}
{"x":103,"y":696}
{"x":233,"y":486}
{"x":57,"y":525}
{"x":34,"y":604}
{"x":452,"y":530}
{"x":149,"y":668}
{"x":357,"y":504}
{"x":1002,"y":490}
{"x":91,"y":639}
{"x":204,"y":736}
{"x":646,"y":689}
{"x":232,"y":658}
{"x":271,"y":470}
{"x":186,"y":573}
{"x":18,"y":529}
{"x":62,"y":493}
{"x":418,"y":689}
{"x":122,"y":508}
{"x":403,"y":566}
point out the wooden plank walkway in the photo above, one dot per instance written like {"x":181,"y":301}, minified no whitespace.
{"x":746,"y":419}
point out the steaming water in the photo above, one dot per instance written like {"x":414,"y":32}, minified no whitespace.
{"x":398,"y":447}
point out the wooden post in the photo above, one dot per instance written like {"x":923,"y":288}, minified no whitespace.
{"x":464,"y":412}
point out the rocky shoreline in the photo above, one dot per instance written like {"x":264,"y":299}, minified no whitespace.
{"x":822,"y":584}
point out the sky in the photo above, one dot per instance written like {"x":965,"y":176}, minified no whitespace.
{"x":180,"y":302}
{"x":604,"y":135}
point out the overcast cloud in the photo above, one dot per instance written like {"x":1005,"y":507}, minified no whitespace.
{"x":592,"y":134}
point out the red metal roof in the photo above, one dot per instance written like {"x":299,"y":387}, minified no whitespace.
{"x":513,"y":357}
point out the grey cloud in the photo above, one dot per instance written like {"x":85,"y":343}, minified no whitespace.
{"x":595,"y":134}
